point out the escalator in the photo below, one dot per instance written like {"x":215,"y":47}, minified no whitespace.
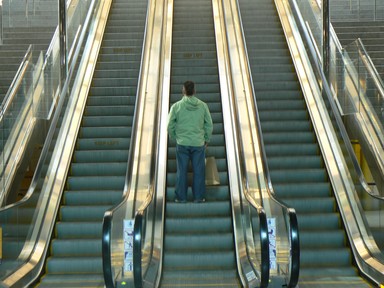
{"x":295,"y":162}
{"x":199,"y":247}
{"x":98,"y":170}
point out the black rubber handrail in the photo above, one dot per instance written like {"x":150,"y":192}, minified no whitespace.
{"x":295,"y":248}
{"x":106,"y":249}
{"x":264,"y":243}
{"x":137,"y":248}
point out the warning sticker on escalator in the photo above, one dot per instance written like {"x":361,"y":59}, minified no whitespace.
{"x":272,"y":242}
{"x":128,"y":245}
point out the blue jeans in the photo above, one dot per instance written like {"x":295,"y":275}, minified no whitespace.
{"x":196,"y":155}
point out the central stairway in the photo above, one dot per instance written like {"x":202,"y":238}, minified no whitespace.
{"x":199,"y":248}
{"x":97,"y":174}
{"x":296,"y":165}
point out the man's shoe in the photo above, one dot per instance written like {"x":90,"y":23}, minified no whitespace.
{"x":199,"y":200}
{"x":180,"y":201}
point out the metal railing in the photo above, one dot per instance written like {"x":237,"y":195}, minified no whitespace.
{"x":32,"y":96}
{"x":362,"y":88}
{"x":358,"y":91}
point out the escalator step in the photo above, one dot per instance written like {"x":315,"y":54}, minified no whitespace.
{"x":213,"y":193}
{"x":215,"y":208}
{"x":201,"y":278}
{"x":73,"y":280}
{"x":196,"y":241}
{"x":319,"y":221}
{"x":74,"y":265}
{"x":71,"y":247}
{"x":92,"y":197}
{"x":76,"y":230}
{"x":202,"y":259}
{"x":199,"y":225}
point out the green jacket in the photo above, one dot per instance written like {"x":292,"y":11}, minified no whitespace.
{"x":190,"y":122}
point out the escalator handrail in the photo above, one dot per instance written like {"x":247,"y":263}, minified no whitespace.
{"x":264,"y":242}
{"x":137,"y":248}
{"x":264,"y":246}
{"x":295,"y":248}
{"x":137,"y":240}
{"x":106,"y":249}
{"x":338,"y":119}
{"x":289,"y":211}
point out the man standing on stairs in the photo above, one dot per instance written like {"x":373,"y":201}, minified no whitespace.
{"x":190,"y":123}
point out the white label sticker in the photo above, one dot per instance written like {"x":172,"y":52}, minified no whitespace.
{"x":128,"y":245}
{"x":250,"y":276}
{"x":272,"y":243}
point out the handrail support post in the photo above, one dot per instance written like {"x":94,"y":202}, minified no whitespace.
{"x":1,"y":22}
{"x":63,"y":41}
{"x":326,"y":40}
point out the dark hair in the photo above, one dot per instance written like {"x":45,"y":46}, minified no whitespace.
{"x":189,"y":87}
